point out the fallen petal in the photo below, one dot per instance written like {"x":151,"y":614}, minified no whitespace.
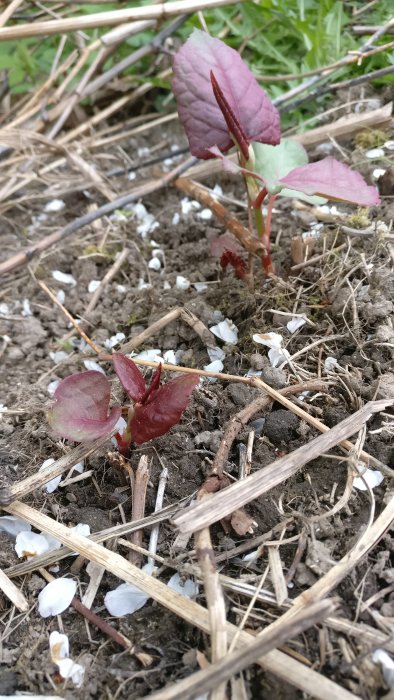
{"x":56,"y":597}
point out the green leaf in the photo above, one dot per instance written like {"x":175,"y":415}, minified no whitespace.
{"x":275,"y":162}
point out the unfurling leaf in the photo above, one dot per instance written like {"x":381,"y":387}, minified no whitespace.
{"x":198,"y":109}
{"x":163,"y":410}
{"x":332,"y":179}
{"x":129,"y":376}
{"x":80,"y":409}
{"x":275,"y":162}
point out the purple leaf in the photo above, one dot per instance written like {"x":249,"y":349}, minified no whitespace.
{"x":332,"y":179}
{"x":164,"y":409}
{"x":198,"y":109}
{"x":129,"y":376}
{"x":80,"y":411}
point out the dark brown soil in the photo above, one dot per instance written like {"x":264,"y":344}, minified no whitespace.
{"x":348,"y":295}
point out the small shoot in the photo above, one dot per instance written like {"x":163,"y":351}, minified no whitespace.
{"x":221,"y":105}
{"x":81,"y":410}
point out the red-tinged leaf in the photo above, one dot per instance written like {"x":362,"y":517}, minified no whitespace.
{"x":199,"y":112}
{"x":164,"y":410}
{"x":225,"y":241}
{"x":332,"y":179}
{"x":231,"y":120}
{"x":238,"y":263}
{"x":80,"y":409}
{"x":129,"y":376}
{"x":153,"y":386}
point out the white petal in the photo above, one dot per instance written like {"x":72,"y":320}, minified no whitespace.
{"x":271,"y":340}
{"x":55,"y":205}
{"x":217,"y":190}
{"x":81,"y":529}
{"x":375,"y":153}
{"x":92,"y":365}
{"x":389,"y":145}
{"x":330,"y":363}
{"x":30,"y":544}
{"x":64,"y":277}
{"x":187,"y":206}
{"x":124,"y":600}
{"x":4,"y":309}
{"x":226,"y":330}
{"x":380,"y":656}
{"x":152,"y":354}
{"x":121,"y":426}
{"x":215,"y":366}
{"x":69,"y":670}
{"x":114,"y":340}
{"x":182,"y":282}
{"x":61,"y":296}
{"x":205,"y":214}
{"x":187,"y":587}
{"x":93,"y":285}
{"x":176,"y":219}
{"x":13,"y":525}
{"x":200,"y":287}
{"x":170,"y":357}
{"x":58,"y":356}
{"x":26,"y":308}
{"x":295,"y":324}
{"x":377,"y":173}
{"x":154,"y":264}
{"x":52,"y":386}
{"x":79,"y":467}
{"x":56,"y":597}
{"x":278,"y":358}
{"x":51,"y":485}
{"x":372,"y":477}
{"x":143,"y":285}
{"x":216,"y":354}
{"x":59,"y":646}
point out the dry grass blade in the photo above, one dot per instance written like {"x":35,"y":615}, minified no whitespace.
{"x":210,"y":678}
{"x":215,"y":602}
{"x":237,"y":495}
{"x":38,"y":480}
{"x":108,"y":19}
{"x":285,"y":667}
{"x":13,"y":593}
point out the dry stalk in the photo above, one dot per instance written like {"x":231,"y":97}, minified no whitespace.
{"x":284,"y":666}
{"x":107,"y":19}
{"x":215,"y":602}
{"x":66,"y":313}
{"x":13,"y":593}
{"x":140,"y":485}
{"x":240,"y":419}
{"x":178,"y":313}
{"x":193,"y":189}
{"x":154,"y":534}
{"x":215,"y":675}
{"x":237,"y":495}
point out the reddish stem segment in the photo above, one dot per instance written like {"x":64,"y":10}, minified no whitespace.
{"x":231,"y":120}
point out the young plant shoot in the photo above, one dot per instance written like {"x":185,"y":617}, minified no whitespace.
{"x":81,"y":410}
{"x":221,"y":105}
